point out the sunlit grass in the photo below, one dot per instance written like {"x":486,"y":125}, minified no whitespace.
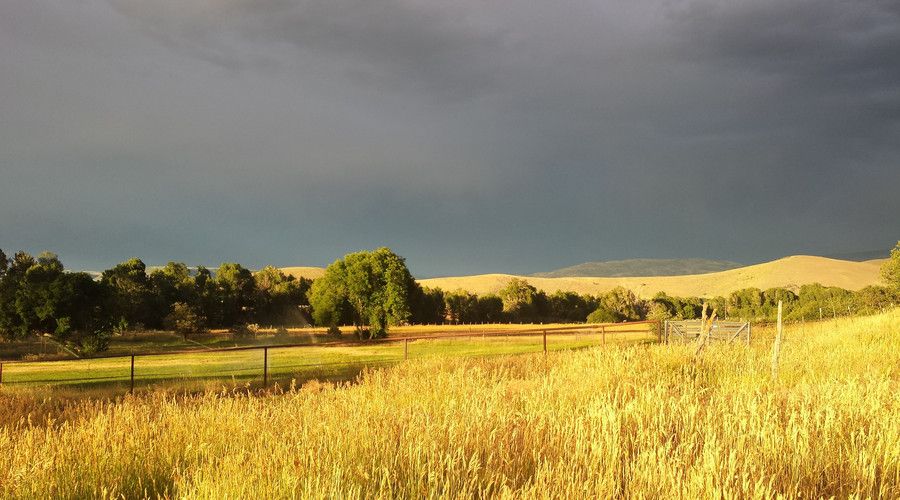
{"x":645,"y":421}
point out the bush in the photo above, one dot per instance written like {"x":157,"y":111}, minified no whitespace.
{"x":604,"y":315}
{"x":183,"y":319}
{"x":96,"y":342}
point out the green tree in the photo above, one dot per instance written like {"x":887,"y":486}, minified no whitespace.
{"x":520,"y":300}
{"x":374,"y":286}
{"x":490,"y":309}
{"x":131,"y":292}
{"x":624,"y":303}
{"x":569,"y":307}
{"x":890,"y":270}
{"x":428,"y":305}
{"x":183,"y":319}
{"x":209,"y":305}
{"x":604,"y":315}
{"x":237,"y":291}
{"x":278,"y":297}
{"x":11,"y":325}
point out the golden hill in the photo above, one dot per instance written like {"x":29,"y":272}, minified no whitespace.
{"x":789,"y":272}
{"x":304,"y":272}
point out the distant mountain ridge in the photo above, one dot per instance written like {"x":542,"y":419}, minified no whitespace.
{"x":641,"y":268}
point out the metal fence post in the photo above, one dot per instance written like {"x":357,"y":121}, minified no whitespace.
{"x":265,"y":366}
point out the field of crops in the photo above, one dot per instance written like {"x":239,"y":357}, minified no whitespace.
{"x":636,"y":420}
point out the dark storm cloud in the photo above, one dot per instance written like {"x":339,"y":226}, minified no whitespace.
{"x":470,"y":136}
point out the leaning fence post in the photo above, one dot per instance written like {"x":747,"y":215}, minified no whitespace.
{"x":265,"y":366}
{"x":776,"y":349}
{"x":131,"y":390}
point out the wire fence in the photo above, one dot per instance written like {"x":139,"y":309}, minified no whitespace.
{"x":262,"y":365}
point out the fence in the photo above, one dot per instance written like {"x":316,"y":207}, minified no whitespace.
{"x":690,"y":330}
{"x":262,"y":363}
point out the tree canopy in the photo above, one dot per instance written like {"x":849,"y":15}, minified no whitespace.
{"x":373,"y":288}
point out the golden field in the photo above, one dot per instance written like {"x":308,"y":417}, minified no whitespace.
{"x":643,"y":421}
{"x":789,"y":272}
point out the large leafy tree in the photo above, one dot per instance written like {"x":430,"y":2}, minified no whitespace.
{"x":890,"y":270}
{"x":278,"y":296}
{"x":131,"y":292}
{"x":170,"y":284}
{"x":373,"y":288}
{"x":236,"y":289}
{"x":521,"y":301}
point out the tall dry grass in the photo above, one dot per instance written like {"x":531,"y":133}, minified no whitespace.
{"x":641,"y":421}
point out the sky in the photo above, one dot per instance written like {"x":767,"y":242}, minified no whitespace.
{"x":468,"y":136}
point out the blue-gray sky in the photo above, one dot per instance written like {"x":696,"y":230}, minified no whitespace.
{"x":469,"y":136}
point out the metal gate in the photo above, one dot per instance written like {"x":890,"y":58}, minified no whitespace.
{"x":723,"y":331}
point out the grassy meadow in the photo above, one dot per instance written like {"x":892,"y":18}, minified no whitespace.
{"x":621,"y":420}
{"x":318,"y":357}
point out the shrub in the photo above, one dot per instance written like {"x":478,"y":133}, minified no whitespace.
{"x":183,"y":319}
{"x":604,"y":315}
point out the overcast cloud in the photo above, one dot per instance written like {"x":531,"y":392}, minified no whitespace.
{"x":470,"y":136}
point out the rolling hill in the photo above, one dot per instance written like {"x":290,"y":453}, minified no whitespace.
{"x":641,"y":267}
{"x":789,"y":272}
{"x":304,"y":272}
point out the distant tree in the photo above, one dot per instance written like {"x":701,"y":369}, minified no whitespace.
{"x":237,"y":290}
{"x":4,"y":263}
{"x":183,"y":319}
{"x":461,"y":306}
{"x":604,"y":315}
{"x":131,"y":292}
{"x":170,"y":284}
{"x":375,"y":287}
{"x":624,"y":303}
{"x":11,"y":324}
{"x":890,"y":270}
{"x":428,"y":305}
{"x":40,"y":295}
{"x":569,"y":307}
{"x":209,"y":305}
{"x":520,"y":300}
{"x":278,"y":296}
{"x":490,"y":309}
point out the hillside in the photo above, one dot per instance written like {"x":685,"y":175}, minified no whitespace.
{"x":641,"y":267}
{"x":304,"y":272}
{"x":789,"y":272}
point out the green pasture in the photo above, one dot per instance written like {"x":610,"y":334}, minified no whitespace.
{"x":301,"y":363}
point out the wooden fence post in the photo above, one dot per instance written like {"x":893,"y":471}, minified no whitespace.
{"x":545,"y":341}
{"x":405,"y":348}
{"x":265,"y":366}
{"x":603,"y":333}
{"x":1,"y":373}
{"x":776,"y":349}
{"x":131,"y":390}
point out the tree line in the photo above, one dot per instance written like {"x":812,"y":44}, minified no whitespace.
{"x":37,"y":295}
{"x":371,"y":290}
